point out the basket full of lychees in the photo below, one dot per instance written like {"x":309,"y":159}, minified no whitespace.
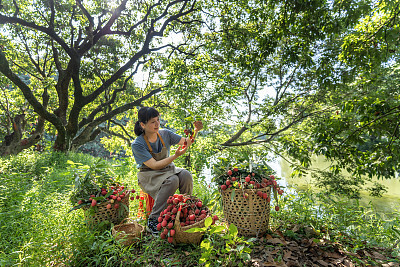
{"x":246,"y":196}
{"x":100,"y":196}
{"x":182,"y":213}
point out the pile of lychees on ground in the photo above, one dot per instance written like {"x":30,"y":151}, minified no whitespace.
{"x":190,"y":210}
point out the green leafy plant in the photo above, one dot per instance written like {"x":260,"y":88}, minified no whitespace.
{"x":222,"y":243}
{"x":96,"y":184}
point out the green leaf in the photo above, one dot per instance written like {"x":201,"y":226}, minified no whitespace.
{"x":205,"y":244}
{"x":217,"y":229}
{"x":233,"y":229}
{"x":125,"y":206}
{"x":79,"y":206}
{"x":208,"y":222}
{"x":233,"y":195}
{"x":275,"y":195}
{"x":251,"y":240}
{"x":70,"y":162}
{"x":195,"y":230}
{"x":189,"y":119}
{"x":108,"y":194}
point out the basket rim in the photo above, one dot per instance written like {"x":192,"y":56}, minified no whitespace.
{"x":115,"y":229}
{"x":252,"y":190}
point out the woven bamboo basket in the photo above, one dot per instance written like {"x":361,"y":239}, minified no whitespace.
{"x":182,"y":237}
{"x":127,"y":232}
{"x":251,"y":215}
{"x":101,"y":213}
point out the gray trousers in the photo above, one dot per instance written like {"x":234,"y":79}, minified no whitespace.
{"x":182,"y":181}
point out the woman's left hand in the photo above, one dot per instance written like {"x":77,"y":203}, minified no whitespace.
{"x":198,"y":125}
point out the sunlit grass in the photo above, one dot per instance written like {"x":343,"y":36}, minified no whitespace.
{"x":36,"y":228}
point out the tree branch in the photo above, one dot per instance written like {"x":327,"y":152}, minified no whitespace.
{"x":39,"y":109}
{"x":82,"y":137}
{"x":108,"y":131}
{"x":144,"y":51}
{"x":49,"y":31}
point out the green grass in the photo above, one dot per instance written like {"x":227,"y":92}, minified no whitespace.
{"x":36,"y":228}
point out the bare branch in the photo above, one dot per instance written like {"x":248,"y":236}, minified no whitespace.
{"x":82,"y":137}
{"x":123,"y":129}
{"x":52,"y":14}
{"x":49,"y":31}
{"x":100,"y":107}
{"x":71,"y":25}
{"x":108,"y":131}
{"x":92,"y":37}
{"x":56,"y":57}
{"x":7,"y":111}
{"x":389,"y":112}
{"x":300,"y":118}
{"x":175,"y":48}
{"x":249,"y":113}
{"x":16,"y":8}
{"x":28,"y":51}
{"x":144,"y":51}
{"x":143,"y":20}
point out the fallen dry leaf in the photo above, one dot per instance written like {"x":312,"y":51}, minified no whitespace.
{"x":268,"y":236}
{"x":276,"y":241}
{"x":279,"y":264}
{"x":340,"y":260}
{"x":323,"y":263}
{"x":334,"y":255}
{"x":348,"y":263}
{"x":287,"y":254}
{"x":378,"y":255}
{"x":296,"y":228}
{"x":390,"y":264}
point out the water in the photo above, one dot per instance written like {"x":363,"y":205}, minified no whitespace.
{"x":388,"y":203}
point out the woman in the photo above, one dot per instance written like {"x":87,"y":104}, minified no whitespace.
{"x":158,"y":175}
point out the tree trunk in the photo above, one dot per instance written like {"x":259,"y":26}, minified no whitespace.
{"x":13,"y":143}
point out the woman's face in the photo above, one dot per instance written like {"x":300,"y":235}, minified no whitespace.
{"x":152,"y":125}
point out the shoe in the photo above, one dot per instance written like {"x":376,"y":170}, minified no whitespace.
{"x":152,"y":227}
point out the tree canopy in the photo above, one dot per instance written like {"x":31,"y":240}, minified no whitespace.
{"x":80,"y":57}
{"x":292,"y":78}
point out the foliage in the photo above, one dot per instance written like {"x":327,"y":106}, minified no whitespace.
{"x":81,"y":59}
{"x":222,"y":245}
{"x":359,"y":135}
{"x":276,"y":73}
{"x":89,"y":180}
{"x":37,"y":229}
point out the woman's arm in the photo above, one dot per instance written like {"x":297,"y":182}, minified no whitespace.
{"x":160,"y":164}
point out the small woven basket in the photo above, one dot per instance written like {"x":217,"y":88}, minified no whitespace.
{"x":182,"y":237}
{"x":127,"y":232}
{"x":250,"y":215}
{"x":101,"y":213}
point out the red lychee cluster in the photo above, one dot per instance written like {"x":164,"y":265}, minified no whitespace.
{"x":188,"y":133}
{"x":114,"y":195}
{"x":250,"y":180}
{"x":189,"y":209}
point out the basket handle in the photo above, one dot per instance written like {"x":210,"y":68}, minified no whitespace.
{"x":125,"y":219}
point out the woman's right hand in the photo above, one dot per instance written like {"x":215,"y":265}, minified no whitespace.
{"x":182,"y":149}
